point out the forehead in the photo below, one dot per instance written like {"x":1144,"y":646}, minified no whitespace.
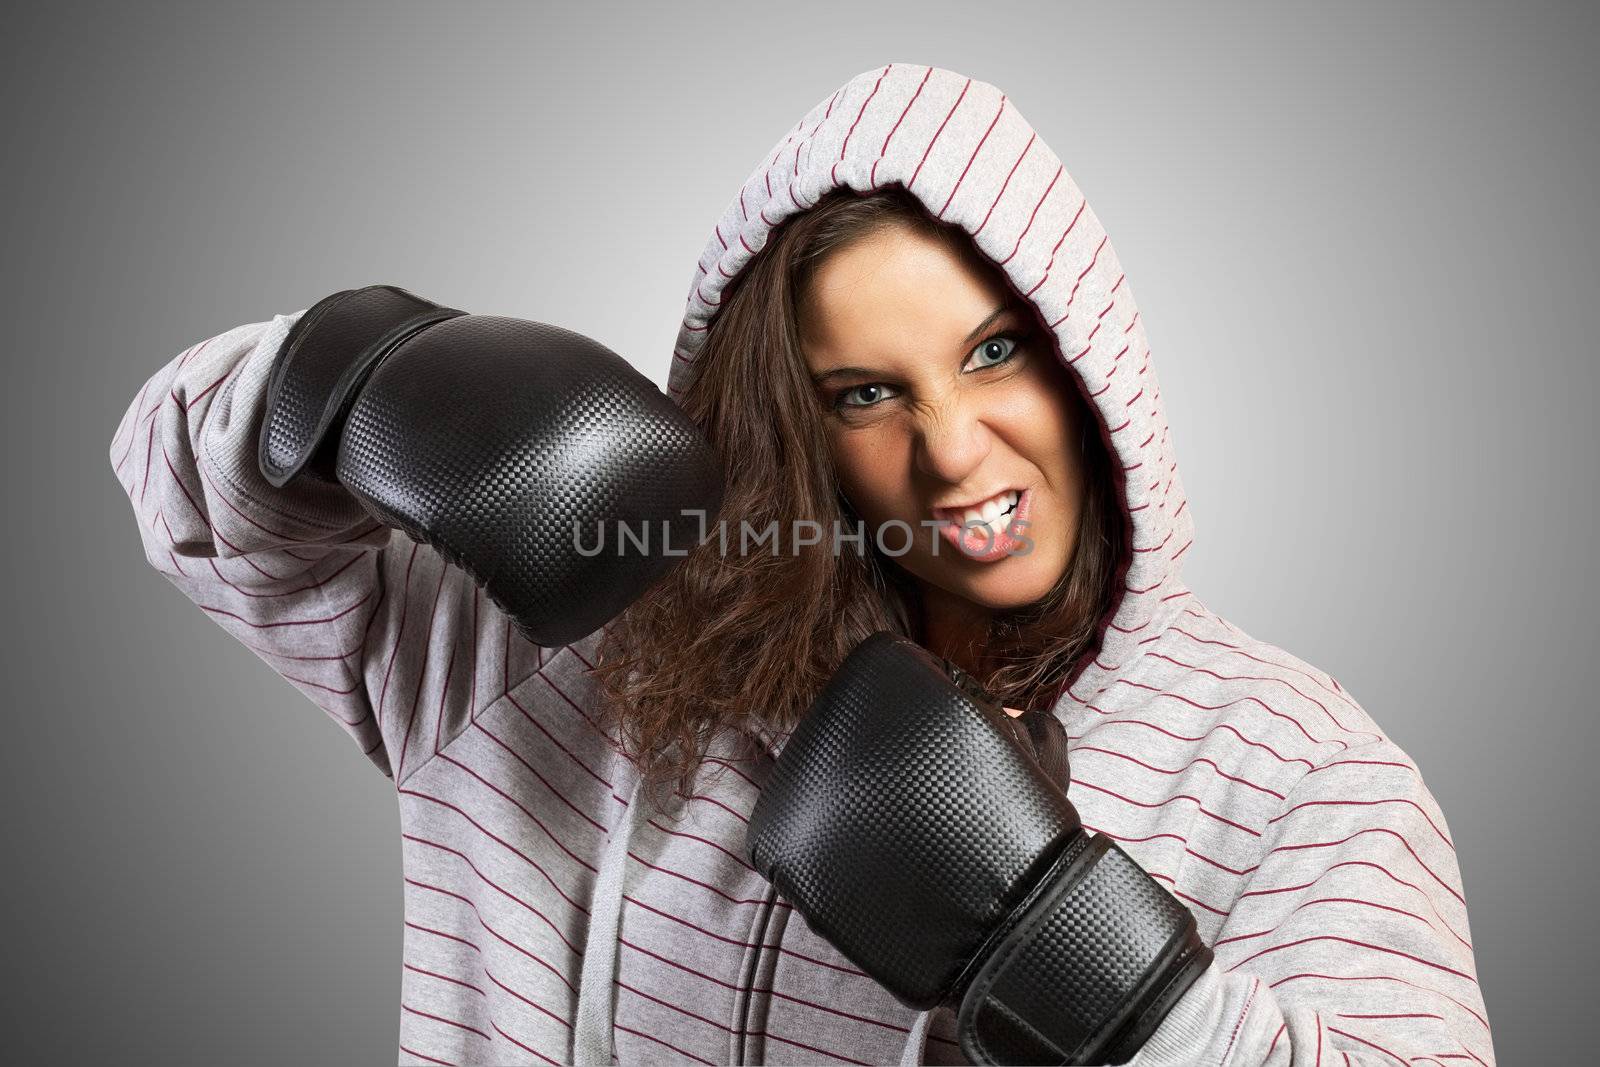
{"x":893,"y":287}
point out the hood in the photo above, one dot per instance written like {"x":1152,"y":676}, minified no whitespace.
{"x":964,"y":150}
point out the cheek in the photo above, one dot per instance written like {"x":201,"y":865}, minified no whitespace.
{"x":867,"y":463}
{"x":1043,"y":426}
{"x":1050,"y":420}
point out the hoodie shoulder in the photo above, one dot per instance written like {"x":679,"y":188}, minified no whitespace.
{"x":1221,"y":651}
{"x":1202,"y":690}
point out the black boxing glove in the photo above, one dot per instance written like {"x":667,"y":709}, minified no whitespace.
{"x":909,"y":820}
{"x":493,"y":440}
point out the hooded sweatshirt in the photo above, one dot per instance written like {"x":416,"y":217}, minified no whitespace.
{"x":551,"y":918}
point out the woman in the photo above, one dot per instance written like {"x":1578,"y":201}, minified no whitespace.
{"x":563,"y":904}
{"x":842,"y":343}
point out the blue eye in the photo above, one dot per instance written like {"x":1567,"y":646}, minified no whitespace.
{"x":841,"y":398}
{"x":999,"y":341}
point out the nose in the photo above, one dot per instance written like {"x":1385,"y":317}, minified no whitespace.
{"x":952,"y":441}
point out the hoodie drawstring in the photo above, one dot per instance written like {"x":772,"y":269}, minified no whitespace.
{"x":591,"y":1038}
{"x":911,"y":1055}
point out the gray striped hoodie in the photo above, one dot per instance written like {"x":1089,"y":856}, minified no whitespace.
{"x":549,"y":918}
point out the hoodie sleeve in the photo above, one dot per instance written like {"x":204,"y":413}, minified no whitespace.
{"x":1349,"y":941}
{"x":396,"y":645}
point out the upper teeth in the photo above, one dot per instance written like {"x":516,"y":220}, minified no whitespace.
{"x":990,"y":509}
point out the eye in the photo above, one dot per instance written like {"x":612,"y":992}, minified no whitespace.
{"x":872,"y":392}
{"x":993,"y":352}
{"x":996,"y":350}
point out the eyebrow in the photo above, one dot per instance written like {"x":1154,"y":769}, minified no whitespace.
{"x":846,"y":372}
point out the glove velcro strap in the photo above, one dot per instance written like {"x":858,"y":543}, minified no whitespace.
{"x":1089,"y":970}
{"x":320,"y":366}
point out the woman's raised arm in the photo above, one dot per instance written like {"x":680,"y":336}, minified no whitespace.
{"x":396,"y":645}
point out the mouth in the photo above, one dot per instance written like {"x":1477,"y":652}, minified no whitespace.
{"x":992,"y":533}
{"x":993,"y":510}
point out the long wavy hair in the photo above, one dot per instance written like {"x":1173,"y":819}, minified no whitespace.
{"x":728,"y":640}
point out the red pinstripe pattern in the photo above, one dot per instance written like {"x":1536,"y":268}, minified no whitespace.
{"x":973,"y":158}
{"x":1244,"y":1013}
{"x":1250,"y":783}
{"x":883,"y":150}
{"x":845,"y":145}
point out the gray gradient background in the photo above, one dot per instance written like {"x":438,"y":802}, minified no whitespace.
{"x":1363,"y":241}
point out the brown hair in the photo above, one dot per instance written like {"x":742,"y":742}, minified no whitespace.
{"x":724,"y":637}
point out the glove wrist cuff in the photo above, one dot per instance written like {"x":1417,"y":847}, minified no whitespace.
{"x":320,"y":367}
{"x":1088,"y":971}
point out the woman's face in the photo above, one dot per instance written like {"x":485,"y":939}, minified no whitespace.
{"x":933,"y":402}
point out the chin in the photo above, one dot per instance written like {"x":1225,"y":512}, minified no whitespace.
{"x":1007,"y":592}
{"x":1010,"y":584}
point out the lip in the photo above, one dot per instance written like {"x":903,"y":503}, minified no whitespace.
{"x":953,"y":513}
{"x":978,"y":547}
